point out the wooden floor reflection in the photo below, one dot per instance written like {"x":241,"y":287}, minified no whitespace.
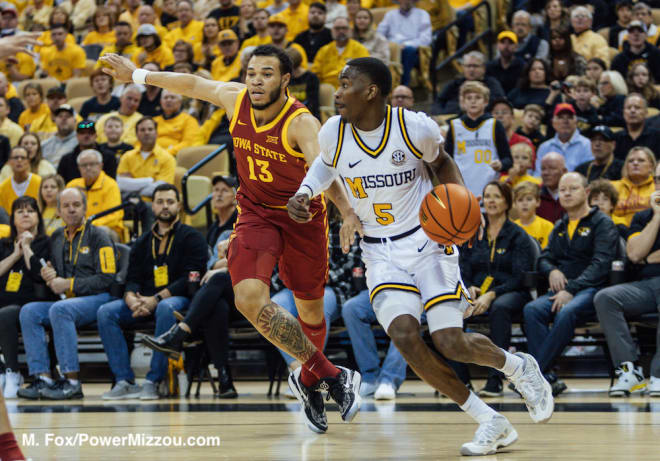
{"x":587,"y":425}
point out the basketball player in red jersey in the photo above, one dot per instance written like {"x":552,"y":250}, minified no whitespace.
{"x":275,"y":139}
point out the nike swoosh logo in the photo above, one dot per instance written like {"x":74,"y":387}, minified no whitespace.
{"x":419,"y":250}
{"x":351,"y":165}
{"x":241,"y":123}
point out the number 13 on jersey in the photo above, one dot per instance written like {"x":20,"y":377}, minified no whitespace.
{"x":262,"y":165}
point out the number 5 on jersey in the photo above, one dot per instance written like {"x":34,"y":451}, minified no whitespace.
{"x":382,"y":211}
{"x":264,"y":174}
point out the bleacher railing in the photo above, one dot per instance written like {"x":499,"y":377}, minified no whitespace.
{"x":206,"y":202}
{"x":441,"y":43}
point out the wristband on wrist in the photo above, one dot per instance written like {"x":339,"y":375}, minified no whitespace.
{"x":140,"y":76}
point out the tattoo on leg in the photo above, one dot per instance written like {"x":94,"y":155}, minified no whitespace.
{"x":281,"y":328}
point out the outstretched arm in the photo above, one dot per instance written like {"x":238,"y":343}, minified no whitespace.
{"x":9,"y":46}
{"x":222,"y":94}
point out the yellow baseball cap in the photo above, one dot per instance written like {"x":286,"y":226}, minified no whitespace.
{"x":276,"y":19}
{"x":508,"y":34}
{"x":227,"y":35}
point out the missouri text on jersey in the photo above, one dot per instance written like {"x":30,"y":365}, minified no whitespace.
{"x":377,"y":181}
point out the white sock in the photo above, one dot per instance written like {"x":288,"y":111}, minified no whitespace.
{"x":477,"y":409}
{"x":73,"y":382}
{"x":48,"y":380}
{"x":512,"y":364}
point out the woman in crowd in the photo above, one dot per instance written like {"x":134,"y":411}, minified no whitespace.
{"x":641,"y":81}
{"x":365,"y":33}
{"x":493,"y":270}
{"x":183,"y":53}
{"x":555,"y":16}
{"x":563,"y":60}
{"x":612,"y":92}
{"x":33,"y":96}
{"x":103,"y":34}
{"x":20,"y":281}
{"x":205,"y":52}
{"x":533,"y":86}
{"x":595,"y":67}
{"x":636,"y":184}
{"x":352,"y":7}
{"x":21,"y":182}
{"x":51,"y":185}
{"x":57,"y":16}
{"x":38,"y":164}
{"x":244,"y":29}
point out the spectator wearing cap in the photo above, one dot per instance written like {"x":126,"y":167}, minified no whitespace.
{"x":317,"y":35}
{"x":410,"y":28}
{"x":151,"y":48}
{"x":329,"y":61}
{"x":8,"y":128}
{"x":21,"y":182}
{"x":123,"y":45}
{"x":296,"y":18}
{"x":68,"y":167}
{"x":227,"y":14}
{"x":64,"y":140}
{"x":223,"y":201}
{"x":227,"y":66}
{"x":260,"y":24}
{"x":604,"y":165}
{"x":277,"y":29}
{"x":62,"y":60}
{"x":506,"y":67}
{"x":567,"y":141}
{"x":176,"y":129}
{"x":103,"y":101}
{"x":7,"y":91}
{"x":101,"y":190}
{"x":635,"y":50}
{"x":9,"y":20}
{"x":127,"y":112}
{"x":619,"y":29}
{"x":148,"y":165}
{"x":44,"y":123}
{"x":637,"y":131}
{"x":189,"y":29}
{"x":529,"y":44}
{"x":643,"y":12}
{"x":585,"y":41}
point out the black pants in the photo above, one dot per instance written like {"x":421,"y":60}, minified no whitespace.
{"x":210,"y":312}
{"x":501,"y":315}
{"x":9,"y":329}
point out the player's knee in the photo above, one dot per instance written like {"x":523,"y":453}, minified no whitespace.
{"x":451,"y":343}
{"x":405,"y":335}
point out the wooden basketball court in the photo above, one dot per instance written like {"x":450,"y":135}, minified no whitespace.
{"x":418,"y":426}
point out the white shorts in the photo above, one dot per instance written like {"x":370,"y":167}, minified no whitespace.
{"x":420,"y":267}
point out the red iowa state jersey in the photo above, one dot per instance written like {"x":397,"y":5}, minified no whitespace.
{"x":269,"y":169}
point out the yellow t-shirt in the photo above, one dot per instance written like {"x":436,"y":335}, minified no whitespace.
{"x":127,"y":52}
{"x":328,"y":63}
{"x":178,"y":132}
{"x":161,"y":55}
{"x":224,"y":73}
{"x":5,"y":231}
{"x":632,"y":198}
{"x":255,"y":40}
{"x":97,"y":38}
{"x":159,"y":165}
{"x":539,"y":229}
{"x":198,"y":54}
{"x":296,"y":21}
{"x":46,"y":40}
{"x":192,"y":34}
{"x":61,"y":64}
{"x":572,"y":225}
{"x":52,"y":220}
{"x":27,"y":116}
{"x":26,"y":65}
{"x":519,"y":179}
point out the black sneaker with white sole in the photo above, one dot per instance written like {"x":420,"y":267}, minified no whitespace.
{"x":311,"y":400}
{"x":345,"y":391}
{"x":35,"y":390}
{"x":63,"y":390}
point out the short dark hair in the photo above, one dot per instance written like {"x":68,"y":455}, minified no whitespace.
{"x":25,"y":201}
{"x":504,"y":189}
{"x":59,"y":26}
{"x":500,"y":100}
{"x":146,"y":118}
{"x":319,"y":6}
{"x":376,"y":71}
{"x":164,"y":188}
{"x":603,"y":186}
{"x":124,"y":24}
{"x":286,"y":66}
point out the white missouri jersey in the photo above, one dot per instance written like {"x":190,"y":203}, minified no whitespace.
{"x":383,"y":170}
{"x":474,"y":150}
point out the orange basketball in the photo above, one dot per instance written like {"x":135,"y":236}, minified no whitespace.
{"x":450,"y":214}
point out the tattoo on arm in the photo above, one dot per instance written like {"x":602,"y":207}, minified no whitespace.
{"x":282,"y":329}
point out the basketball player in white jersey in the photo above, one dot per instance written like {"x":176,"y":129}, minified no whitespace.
{"x":382,"y":154}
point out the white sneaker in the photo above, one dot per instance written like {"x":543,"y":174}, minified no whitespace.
{"x":535,"y":389}
{"x":654,"y":387}
{"x":491,"y":435}
{"x":385,"y":391}
{"x":628,"y":380}
{"x":13,"y":382}
{"x":367,"y":388}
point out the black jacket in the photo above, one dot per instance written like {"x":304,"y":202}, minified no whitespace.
{"x":188,"y":252}
{"x":585,"y":259}
{"x":501,"y":141}
{"x":511,"y":258}
{"x":312,"y":42}
{"x":591,"y":171}
{"x":639,"y":222}
{"x":507,"y":77}
{"x":216,"y":229}
{"x":5,"y":150}
{"x":649,"y":55}
{"x":448,"y":100}
{"x":16,"y":108}
{"x":528,"y":51}
{"x":650,"y":138}
{"x":611,"y":112}
{"x":68,"y":167}
{"x":32,"y":287}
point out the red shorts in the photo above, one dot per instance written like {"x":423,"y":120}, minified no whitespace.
{"x":265,"y":236}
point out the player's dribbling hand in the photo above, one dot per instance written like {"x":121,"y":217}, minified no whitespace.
{"x":349,"y":227}
{"x":121,"y":68}
{"x":298,"y":208}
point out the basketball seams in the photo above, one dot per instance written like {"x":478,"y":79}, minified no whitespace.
{"x":440,"y":231}
{"x":450,"y":235}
